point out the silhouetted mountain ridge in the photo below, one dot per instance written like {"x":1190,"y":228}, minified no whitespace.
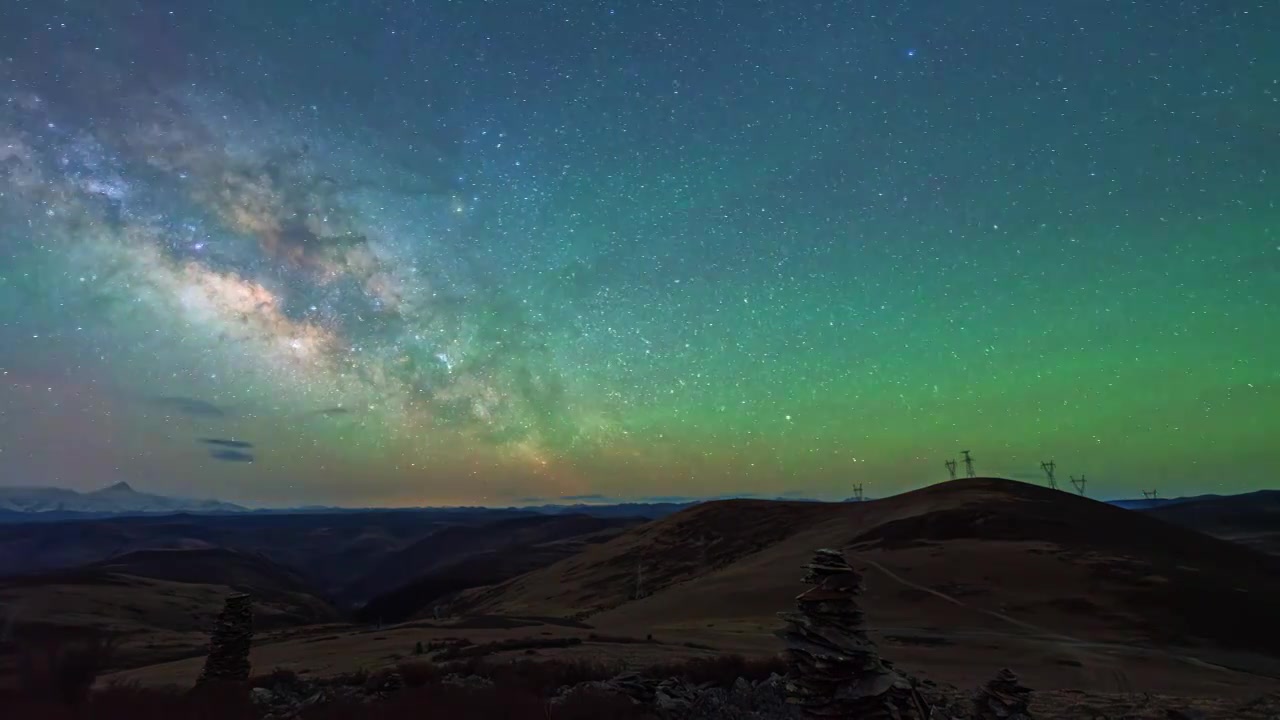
{"x":119,"y":498}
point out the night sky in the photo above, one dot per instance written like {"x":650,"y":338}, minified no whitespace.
{"x":426,"y":252}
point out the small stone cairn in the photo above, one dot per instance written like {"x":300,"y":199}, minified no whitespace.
{"x":836,"y":670}
{"x":228,"y":658}
{"x":1003,"y":698}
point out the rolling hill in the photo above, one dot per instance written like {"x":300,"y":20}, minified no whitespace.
{"x":1251,"y":519}
{"x":219,"y":566}
{"x":1067,"y":584}
{"x":451,"y":547}
{"x":329,"y":550}
{"x":159,"y":604}
{"x":962,"y":578}
{"x":490,"y":566}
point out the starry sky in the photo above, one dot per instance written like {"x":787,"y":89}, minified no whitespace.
{"x":406,"y":252}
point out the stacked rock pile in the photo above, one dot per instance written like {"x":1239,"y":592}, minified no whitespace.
{"x":228,"y":658}
{"x":1003,"y":698}
{"x":836,"y":670}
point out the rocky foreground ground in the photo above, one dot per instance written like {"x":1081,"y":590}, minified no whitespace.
{"x":287,"y":696}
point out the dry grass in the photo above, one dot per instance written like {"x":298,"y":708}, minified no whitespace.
{"x":470,"y":651}
{"x":156,"y":620}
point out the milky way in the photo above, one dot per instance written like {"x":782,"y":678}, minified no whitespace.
{"x":426,"y":253}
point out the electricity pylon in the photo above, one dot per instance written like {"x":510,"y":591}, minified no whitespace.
{"x":1048,"y":470}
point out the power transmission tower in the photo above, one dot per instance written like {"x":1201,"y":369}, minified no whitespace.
{"x":951,"y":468}
{"x":1048,"y":470}
{"x":968,"y":463}
{"x":857,"y":492}
{"x":1080,"y":483}
{"x":1150,"y":495}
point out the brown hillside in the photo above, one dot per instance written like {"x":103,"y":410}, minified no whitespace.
{"x":452,"y":546}
{"x":331,"y":550}
{"x":251,"y":573}
{"x":1074,"y":587}
{"x":430,"y":589}
{"x":681,"y":547}
{"x":160,"y":604}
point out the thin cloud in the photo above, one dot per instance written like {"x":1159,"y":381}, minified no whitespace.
{"x":222,"y":442}
{"x":234,"y":456}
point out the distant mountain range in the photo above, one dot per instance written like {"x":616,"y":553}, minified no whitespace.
{"x":32,"y":504}
{"x":50,"y":504}
{"x":1149,"y":503}
{"x":115,"y":499}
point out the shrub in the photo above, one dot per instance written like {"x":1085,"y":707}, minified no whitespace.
{"x":417,"y":674}
{"x":356,"y":678}
{"x":280,"y":678}
{"x":447,"y":644}
{"x":470,"y":651}
{"x":540,"y":677}
{"x":620,"y":639}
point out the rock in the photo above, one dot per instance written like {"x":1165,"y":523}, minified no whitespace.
{"x":836,"y":670}
{"x":384,"y":683}
{"x":319,"y":697}
{"x":228,"y":658}
{"x":262,"y":696}
{"x":640,"y":690}
{"x":469,"y":682}
{"x":676,"y":698}
{"x":1003,"y":698}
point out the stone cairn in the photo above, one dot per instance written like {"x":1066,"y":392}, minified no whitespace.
{"x":836,"y":670}
{"x":228,"y":658}
{"x":1004,"y":698}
